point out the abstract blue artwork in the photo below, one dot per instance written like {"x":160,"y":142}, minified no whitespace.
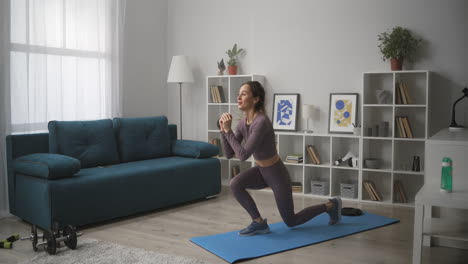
{"x":285,"y":111}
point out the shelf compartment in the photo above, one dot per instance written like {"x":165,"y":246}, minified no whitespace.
{"x":235,"y":83}
{"x":373,"y":118}
{"x":411,"y":184}
{"x":382,"y":182}
{"x":295,"y":174}
{"x":243,"y":165}
{"x":342,"y":145}
{"x":403,"y":154}
{"x":416,"y":118}
{"x":218,"y":81}
{"x":375,"y":82}
{"x":214,"y":113}
{"x":343,"y":176}
{"x":377,"y":149}
{"x":415,"y":83}
{"x":316,"y":174}
{"x":322,"y":145}
{"x":289,"y":145}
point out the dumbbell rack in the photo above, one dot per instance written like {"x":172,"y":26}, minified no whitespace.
{"x":51,"y":239}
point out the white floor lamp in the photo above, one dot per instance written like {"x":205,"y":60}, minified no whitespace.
{"x":180,"y":72}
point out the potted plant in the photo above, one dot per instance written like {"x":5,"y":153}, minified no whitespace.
{"x":398,"y":45}
{"x":232,"y":62}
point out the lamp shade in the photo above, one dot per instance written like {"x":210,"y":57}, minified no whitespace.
{"x":180,"y":71}
{"x":308,"y":111}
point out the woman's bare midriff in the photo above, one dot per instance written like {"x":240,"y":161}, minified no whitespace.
{"x":268,"y":162}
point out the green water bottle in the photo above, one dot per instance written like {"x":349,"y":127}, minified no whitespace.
{"x":446,"y":177}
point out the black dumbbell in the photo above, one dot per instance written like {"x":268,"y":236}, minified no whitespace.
{"x":33,"y":237}
{"x":51,"y":238}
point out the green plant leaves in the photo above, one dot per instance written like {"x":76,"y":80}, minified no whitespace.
{"x":398,"y":44}
{"x":233,"y":55}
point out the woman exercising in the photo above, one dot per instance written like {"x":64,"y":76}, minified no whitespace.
{"x":257,"y":131}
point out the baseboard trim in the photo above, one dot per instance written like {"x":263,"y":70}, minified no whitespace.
{"x":4,"y":214}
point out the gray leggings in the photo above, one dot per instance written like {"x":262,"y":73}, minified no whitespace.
{"x":277,"y":177}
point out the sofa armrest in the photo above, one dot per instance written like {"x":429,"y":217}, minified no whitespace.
{"x":194,"y":149}
{"x":46,"y":165}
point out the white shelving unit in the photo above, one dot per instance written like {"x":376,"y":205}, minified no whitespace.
{"x":395,"y":152}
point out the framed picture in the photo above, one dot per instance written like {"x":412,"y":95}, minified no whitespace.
{"x":343,"y":112}
{"x":285,"y":111}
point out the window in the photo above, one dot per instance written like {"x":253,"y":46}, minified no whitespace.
{"x":63,"y":61}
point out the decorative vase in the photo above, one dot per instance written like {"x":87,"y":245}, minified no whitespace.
{"x":396,"y":64}
{"x":232,"y":70}
{"x":382,"y":96}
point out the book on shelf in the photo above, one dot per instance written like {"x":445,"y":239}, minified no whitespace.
{"x":372,"y":191}
{"x":217,"y":94}
{"x":294,"y":158}
{"x":399,"y":191}
{"x":404,"y":127}
{"x":407,"y":96}
{"x":399,"y":124}
{"x":221,"y":94}
{"x":398,"y":95}
{"x":235,"y":169}
{"x":296,"y":186}
{"x":213,"y":96}
{"x":408,"y":130}
{"x":313,"y":154}
{"x":402,"y":94}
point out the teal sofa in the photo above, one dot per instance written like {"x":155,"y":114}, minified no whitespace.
{"x":84,"y":172}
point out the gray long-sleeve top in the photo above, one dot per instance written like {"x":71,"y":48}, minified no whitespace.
{"x":259,"y":139}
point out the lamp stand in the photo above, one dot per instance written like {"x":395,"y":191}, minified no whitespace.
{"x":307,"y":130}
{"x":454,"y":126}
{"x":180,"y":109}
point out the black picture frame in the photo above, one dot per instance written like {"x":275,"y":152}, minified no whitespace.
{"x":338,"y":112}
{"x":285,"y":110}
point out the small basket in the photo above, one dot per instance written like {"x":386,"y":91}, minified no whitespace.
{"x":348,"y":190}
{"x":319,"y":187}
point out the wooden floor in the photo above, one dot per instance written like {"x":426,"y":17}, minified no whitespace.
{"x":169,"y":230}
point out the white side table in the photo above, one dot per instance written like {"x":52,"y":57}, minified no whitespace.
{"x":427,"y":197}
{"x":442,"y":144}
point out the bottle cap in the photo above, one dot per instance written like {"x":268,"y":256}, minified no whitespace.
{"x":446,"y":161}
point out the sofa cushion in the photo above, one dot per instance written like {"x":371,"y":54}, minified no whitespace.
{"x":46,"y":165}
{"x":91,"y":142}
{"x":142,"y":138}
{"x":194,"y":149}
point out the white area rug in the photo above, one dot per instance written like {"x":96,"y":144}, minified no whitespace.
{"x":103,"y":252}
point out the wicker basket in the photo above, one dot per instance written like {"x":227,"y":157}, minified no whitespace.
{"x":319,"y":187}
{"x":348,"y":190}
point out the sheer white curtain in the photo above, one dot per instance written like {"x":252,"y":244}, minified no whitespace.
{"x":4,"y":100}
{"x":64,"y":61}
{"x":60,"y":60}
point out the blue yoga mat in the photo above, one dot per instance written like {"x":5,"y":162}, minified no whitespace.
{"x":232,"y":247}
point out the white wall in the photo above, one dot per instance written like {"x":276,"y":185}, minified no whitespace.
{"x":144,"y":60}
{"x":315,"y":48}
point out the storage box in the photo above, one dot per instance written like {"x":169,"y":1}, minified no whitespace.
{"x":348,"y":190}
{"x":319,"y":187}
